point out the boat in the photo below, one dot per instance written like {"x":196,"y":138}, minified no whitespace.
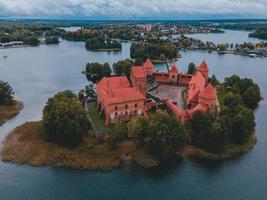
{"x":4,"y":56}
{"x":252,"y":55}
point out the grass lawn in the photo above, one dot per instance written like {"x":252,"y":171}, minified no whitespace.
{"x":7,"y":112}
{"x":100,"y":122}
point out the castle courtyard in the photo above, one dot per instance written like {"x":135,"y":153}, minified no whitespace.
{"x":172,"y":92}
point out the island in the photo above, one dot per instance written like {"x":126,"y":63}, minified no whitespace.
{"x":146,"y":116}
{"x":8,"y":106}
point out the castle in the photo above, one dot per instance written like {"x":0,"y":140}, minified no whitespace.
{"x":121,"y":100}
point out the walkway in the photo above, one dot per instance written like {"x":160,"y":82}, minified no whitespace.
{"x":91,"y":122}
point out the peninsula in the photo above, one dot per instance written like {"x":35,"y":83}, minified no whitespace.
{"x":148,"y":117}
{"x":8,"y":106}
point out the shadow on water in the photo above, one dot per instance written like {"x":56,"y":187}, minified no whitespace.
{"x":163,"y":170}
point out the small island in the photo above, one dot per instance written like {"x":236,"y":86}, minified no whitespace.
{"x":8,"y":106}
{"x":145,"y":116}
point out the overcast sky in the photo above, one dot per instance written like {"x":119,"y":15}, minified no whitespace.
{"x":134,"y":9}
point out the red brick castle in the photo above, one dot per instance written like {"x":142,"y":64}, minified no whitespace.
{"x":121,"y":100}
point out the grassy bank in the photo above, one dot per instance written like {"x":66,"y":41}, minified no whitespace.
{"x":26,"y":145}
{"x":231,"y":151}
{"x":7,"y":112}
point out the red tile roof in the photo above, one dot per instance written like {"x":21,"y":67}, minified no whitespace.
{"x":174,"y":69}
{"x":123,"y":95}
{"x":174,"y":108}
{"x":113,"y":83}
{"x":196,"y":85}
{"x":148,"y":64}
{"x":208,"y":93}
{"x":138,"y":72}
{"x":117,"y":89}
{"x":199,"y":106}
{"x":203,"y":67}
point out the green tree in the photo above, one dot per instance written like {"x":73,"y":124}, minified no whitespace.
{"x":138,"y":62}
{"x":139,"y":130}
{"x":123,"y":67}
{"x":217,"y":138}
{"x":96,"y":71}
{"x":89,"y":90}
{"x":6,"y":94}
{"x":232,"y":100}
{"x":31,"y":40}
{"x":251,"y":97}
{"x":64,"y":119}
{"x":167,"y":135}
{"x":243,"y":125}
{"x":222,"y":47}
{"x":201,"y":125}
{"x":51,"y":40}
{"x":191,"y":68}
{"x":213,"y":80}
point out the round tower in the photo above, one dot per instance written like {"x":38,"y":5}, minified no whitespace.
{"x":208,"y":98}
{"x":204,"y":70}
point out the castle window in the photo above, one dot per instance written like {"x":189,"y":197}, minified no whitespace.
{"x":126,"y":106}
{"x":135,"y":105}
{"x":116,"y":108}
{"x":172,"y":76}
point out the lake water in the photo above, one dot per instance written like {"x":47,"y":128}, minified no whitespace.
{"x":230,"y":36}
{"x":36,"y":73}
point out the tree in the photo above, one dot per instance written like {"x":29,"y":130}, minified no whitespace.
{"x":96,"y":71}
{"x":222,"y":47}
{"x":81,"y":95}
{"x":217,"y":138}
{"x":243,"y":125}
{"x":213,"y":80}
{"x":123,"y":67}
{"x":191,"y":68}
{"x":251,"y":97}
{"x":6,"y":94}
{"x":89,"y":90}
{"x":100,"y":42}
{"x":167,"y":135}
{"x":64,"y":119}
{"x":201,"y":125}
{"x":232,"y":100}
{"x":138,"y":62}
{"x":51,"y":40}
{"x":139,"y":130}
{"x":31,"y":40}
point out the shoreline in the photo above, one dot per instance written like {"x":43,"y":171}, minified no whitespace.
{"x":8,"y":112}
{"x":100,"y":50}
{"x":26,"y":145}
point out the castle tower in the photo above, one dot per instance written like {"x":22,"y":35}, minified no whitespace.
{"x":173,"y":75}
{"x":149,"y":67}
{"x":204,"y":70}
{"x":208,"y":98}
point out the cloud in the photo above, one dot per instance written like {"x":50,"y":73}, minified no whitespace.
{"x":132,"y":9}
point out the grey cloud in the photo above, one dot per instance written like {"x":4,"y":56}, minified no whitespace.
{"x":131,"y":8}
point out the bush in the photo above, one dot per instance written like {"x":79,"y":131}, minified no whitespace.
{"x":64,"y":119}
{"x":96,"y":71}
{"x":6,"y":94}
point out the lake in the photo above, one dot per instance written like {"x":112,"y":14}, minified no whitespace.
{"x":230,"y":36}
{"x":36,"y":73}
